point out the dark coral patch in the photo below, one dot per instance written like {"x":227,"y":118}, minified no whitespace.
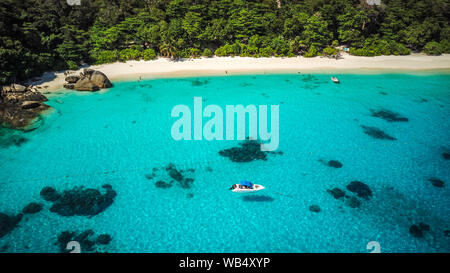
{"x":388,"y":115}
{"x":85,"y":239}
{"x":103,"y":239}
{"x":314,"y":208}
{"x":446,"y":155}
{"x":438,"y":183}
{"x":49,"y":194}
{"x":145,"y":86}
{"x":10,"y":137}
{"x":361,"y":189}
{"x":308,"y":78}
{"x":150,"y":176}
{"x":250,"y":150}
{"x":86,"y":244}
{"x":418,"y":230}
{"x":337,"y":193}
{"x":187,"y":183}
{"x":415,"y":231}
{"x":334,"y":164}
{"x":176,"y":174}
{"x":163,"y":185}
{"x":83,"y":202}
{"x":376,"y":133}
{"x":4,"y":248}
{"x":258,"y":198}
{"x":352,"y":202}
{"x":198,"y":82}
{"x":8,"y":223}
{"x":32,"y":208}
{"x":423,"y":100}
{"x":173,"y":174}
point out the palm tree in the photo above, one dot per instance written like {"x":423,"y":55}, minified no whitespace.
{"x":167,"y":49}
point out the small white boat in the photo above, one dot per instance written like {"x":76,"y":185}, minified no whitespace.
{"x":246,"y":186}
{"x":335,"y":80}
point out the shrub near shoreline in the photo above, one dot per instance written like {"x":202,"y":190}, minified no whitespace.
{"x":111,"y":56}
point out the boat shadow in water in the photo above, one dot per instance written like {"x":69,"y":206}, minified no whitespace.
{"x":257,"y":198}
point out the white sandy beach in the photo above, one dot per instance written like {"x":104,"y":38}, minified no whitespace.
{"x":163,"y":67}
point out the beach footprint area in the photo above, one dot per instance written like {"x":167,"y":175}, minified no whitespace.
{"x":361,"y":161}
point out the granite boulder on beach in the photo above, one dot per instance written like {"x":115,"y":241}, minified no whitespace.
{"x":88,"y":80}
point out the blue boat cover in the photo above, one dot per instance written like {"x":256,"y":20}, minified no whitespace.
{"x":247,"y":184}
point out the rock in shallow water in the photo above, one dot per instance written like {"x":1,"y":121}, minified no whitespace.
{"x":85,"y":84}
{"x":20,"y":106}
{"x":89,"y":80}
{"x":361,"y":189}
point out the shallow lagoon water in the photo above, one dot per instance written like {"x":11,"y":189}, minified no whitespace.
{"x":118,"y":136}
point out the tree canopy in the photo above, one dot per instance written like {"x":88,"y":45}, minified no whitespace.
{"x":42,"y":35}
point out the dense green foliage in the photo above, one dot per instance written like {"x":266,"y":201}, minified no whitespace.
{"x":41,"y":35}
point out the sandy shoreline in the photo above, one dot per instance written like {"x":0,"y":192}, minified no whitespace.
{"x":162,"y":67}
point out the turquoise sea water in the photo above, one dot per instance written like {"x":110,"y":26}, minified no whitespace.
{"x":118,"y":136}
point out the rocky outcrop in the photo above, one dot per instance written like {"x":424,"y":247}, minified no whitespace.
{"x":69,"y":85}
{"x":72,"y":79}
{"x":88,"y":80}
{"x":100,"y":80}
{"x":20,"y":105}
{"x":85,"y":84}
